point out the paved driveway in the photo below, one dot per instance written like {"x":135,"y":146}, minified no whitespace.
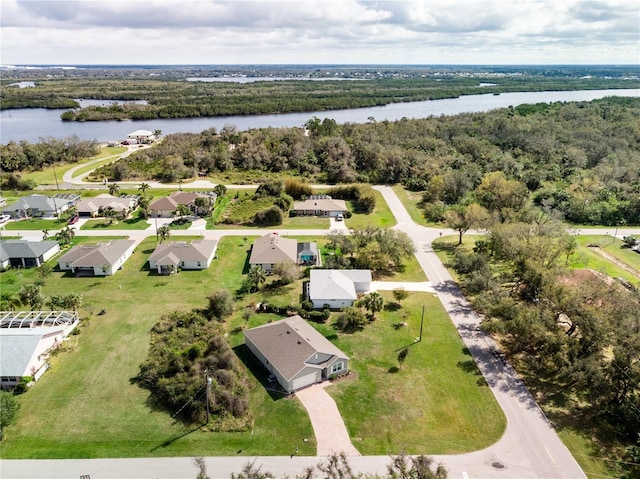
{"x":328,"y":426}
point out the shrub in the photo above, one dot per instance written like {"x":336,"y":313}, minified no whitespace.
{"x":272,"y":216}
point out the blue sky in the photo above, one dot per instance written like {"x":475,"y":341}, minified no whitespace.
{"x":329,"y":31}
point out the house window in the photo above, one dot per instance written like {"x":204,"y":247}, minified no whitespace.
{"x":337,"y":367}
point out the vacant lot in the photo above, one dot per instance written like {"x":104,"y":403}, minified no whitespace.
{"x":88,"y":405}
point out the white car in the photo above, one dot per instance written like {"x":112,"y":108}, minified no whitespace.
{"x":4,"y":219}
{"x":339,"y":217}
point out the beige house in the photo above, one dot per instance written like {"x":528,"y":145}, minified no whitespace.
{"x":320,"y":205}
{"x":101,"y":259}
{"x":295,"y":353}
{"x":94,"y":206}
{"x":165,"y":207}
{"x":272,"y":249}
{"x":169,"y":257}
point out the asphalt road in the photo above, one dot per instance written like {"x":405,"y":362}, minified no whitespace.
{"x":529,"y":448}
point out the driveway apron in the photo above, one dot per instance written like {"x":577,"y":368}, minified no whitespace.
{"x":328,"y":426}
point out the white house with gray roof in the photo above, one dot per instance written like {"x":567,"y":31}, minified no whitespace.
{"x":295,"y":353}
{"x":320,"y":205}
{"x":26,"y":338}
{"x":41,"y":206}
{"x":337,"y":288}
{"x":101,"y":259}
{"x":26,"y":254}
{"x":168,"y":257}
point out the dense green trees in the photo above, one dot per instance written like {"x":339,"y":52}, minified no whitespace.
{"x":25,"y":156}
{"x":577,"y":160}
{"x":573,"y":331}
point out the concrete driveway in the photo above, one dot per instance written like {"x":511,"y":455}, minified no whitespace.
{"x":328,"y":426}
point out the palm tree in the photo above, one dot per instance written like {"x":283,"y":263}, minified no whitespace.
{"x":144,"y":187}
{"x":164,"y":232}
{"x":257,"y":275}
{"x":9,"y":302}
{"x":65,"y":236}
{"x":45,"y":235}
{"x":373,"y":302}
{"x":114,"y":189}
{"x":182,"y":210}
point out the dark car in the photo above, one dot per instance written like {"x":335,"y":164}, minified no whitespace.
{"x":73,"y":220}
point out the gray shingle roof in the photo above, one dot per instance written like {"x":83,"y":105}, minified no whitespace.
{"x":97,"y":255}
{"x":176,"y":251}
{"x":274,"y":249}
{"x":291,"y":344}
{"x":17,"y":347}
{"x":25,"y":249}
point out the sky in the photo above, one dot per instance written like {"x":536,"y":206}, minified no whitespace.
{"x":324,"y":32}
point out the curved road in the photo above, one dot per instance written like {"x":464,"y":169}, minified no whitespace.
{"x":529,"y":448}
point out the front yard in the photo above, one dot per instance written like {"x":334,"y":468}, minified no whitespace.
{"x":87,"y":405}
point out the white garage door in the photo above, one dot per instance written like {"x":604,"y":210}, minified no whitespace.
{"x":307,"y":380}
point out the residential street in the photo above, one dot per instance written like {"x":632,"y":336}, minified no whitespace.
{"x":530,"y":447}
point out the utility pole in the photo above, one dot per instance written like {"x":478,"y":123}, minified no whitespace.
{"x":208,"y":387}
{"x":421,"y":324}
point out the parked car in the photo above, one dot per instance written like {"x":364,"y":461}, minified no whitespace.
{"x":339,"y":217}
{"x":4,"y":219}
{"x":73,"y":220}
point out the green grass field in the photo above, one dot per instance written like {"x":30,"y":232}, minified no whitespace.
{"x":47,"y":176}
{"x":87,"y":404}
{"x":135,"y":223}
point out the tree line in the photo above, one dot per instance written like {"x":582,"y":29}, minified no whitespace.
{"x":579,"y":161}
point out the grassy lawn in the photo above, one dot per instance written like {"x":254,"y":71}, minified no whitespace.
{"x":436,"y":402}
{"x":591,"y":258}
{"x":106,"y":156}
{"x":411,"y":201}
{"x":47,"y":176}
{"x":37,"y":224}
{"x":128,"y":224}
{"x":381,"y":215}
{"x":87,"y":406}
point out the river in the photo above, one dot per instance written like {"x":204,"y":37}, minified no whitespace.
{"x":35,"y":123}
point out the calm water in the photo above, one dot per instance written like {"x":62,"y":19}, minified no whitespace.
{"x":32,"y":124}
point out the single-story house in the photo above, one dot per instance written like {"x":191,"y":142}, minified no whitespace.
{"x":26,"y":254}
{"x":142,"y":136}
{"x":165,"y":207}
{"x":168,"y":257}
{"x":272,"y":249}
{"x":26,"y":337}
{"x":320,"y":205}
{"x":41,"y":206}
{"x":101,"y":259}
{"x":295,"y":353}
{"x":94,"y":206}
{"x":337,"y":288}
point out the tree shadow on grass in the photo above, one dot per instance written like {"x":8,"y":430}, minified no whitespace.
{"x":175,"y":437}
{"x":259,"y":372}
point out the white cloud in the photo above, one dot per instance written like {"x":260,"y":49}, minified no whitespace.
{"x":329,"y":31}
